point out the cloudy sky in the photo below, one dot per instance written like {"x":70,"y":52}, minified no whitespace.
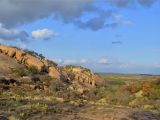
{"x":120,"y":36}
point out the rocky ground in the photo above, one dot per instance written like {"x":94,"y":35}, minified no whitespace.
{"x":22,"y":102}
{"x":87,"y":112}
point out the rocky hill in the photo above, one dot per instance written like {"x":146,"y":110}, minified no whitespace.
{"x":33,"y":87}
{"x":13,"y":57}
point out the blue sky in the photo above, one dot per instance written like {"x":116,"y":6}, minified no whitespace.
{"x":118,"y":36}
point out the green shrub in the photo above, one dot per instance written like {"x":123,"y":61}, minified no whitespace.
{"x":45,"y":78}
{"x":154,"y":94}
{"x":25,"y":71}
{"x":123,"y":97}
{"x":32,"y":70}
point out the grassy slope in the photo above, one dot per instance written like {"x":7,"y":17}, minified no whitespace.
{"x":137,"y":91}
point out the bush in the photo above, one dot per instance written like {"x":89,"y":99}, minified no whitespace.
{"x":157,"y":82}
{"x":154,"y":93}
{"x":147,"y":88}
{"x":35,"y":79}
{"x":25,"y":71}
{"x":45,"y":78}
{"x":51,"y":63}
{"x":123,"y":97}
{"x":97,"y":93}
{"x":32,"y":70}
{"x":57,"y":85}
{"x":133,"y":88}
{"x":60,"y":89}
{"x":21,"y":71}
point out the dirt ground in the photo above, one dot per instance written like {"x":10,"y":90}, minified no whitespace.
{"x":89,"y":112}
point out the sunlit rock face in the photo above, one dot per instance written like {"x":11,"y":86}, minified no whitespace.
{"x":22,"y":57}
{"x":54,"y":73}
{"x":82,"y":75}
{"x":79,"y":77}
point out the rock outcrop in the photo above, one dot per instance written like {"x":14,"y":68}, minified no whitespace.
{"x":67,"y":73}
{"x":82,"y":75}
{"x":22,"y":57}
{"x":54,"y":73}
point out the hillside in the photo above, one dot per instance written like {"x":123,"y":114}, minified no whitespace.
{"x":33,"y":88}
{"x":6,"y":63}
{"x":13,"y":57}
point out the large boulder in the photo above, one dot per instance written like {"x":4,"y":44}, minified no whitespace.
{"x":20,"y":56}
{"x":54,"y":73}
{"x":33,"y":61}
{"x":11,"y":52}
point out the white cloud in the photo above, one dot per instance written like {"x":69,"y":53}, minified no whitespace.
{"x":57,"y":60}
{"x":157,"y":65}
{"x":22,"y":45}
{"x":124,"y":66}
{"x":18,"y":12}
{"x":103,"y":61}
{"x":69,"y":62}
{"x":22,"y":37}
{"x":83,"y":61}
{"x":126,"y":22}
{"x":44,"y":34}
